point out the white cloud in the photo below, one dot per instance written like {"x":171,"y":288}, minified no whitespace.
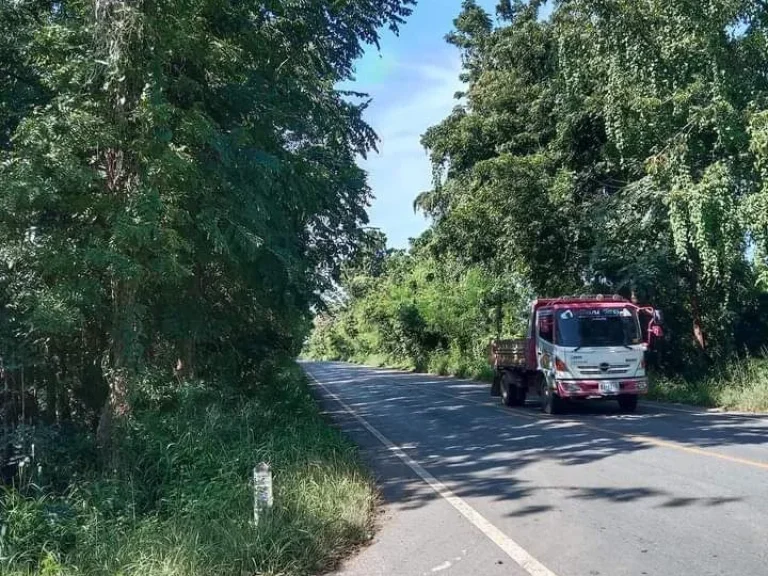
{"x":417,"y":97}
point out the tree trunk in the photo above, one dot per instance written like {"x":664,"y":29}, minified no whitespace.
{"x":51,"y":413}
{"x":116,"y":407}
{"x":498,"y":319}
{"x":63,"y":401}
{"x":693,"y":280}
{"x":6,"y":398}
{"x":23,"y":397}
{"x":185,"y":363}
{"x":120,"y":368}
{"x":698,"y":331}
{"x":185,"y":347}
{"x":118,"y":32}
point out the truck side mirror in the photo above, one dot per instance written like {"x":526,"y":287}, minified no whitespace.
{"x":658,"y":317}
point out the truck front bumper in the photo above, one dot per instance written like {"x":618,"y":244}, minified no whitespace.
{"x":601,"y":388}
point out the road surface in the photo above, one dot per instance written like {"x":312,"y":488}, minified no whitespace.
{"x":474,"y":488}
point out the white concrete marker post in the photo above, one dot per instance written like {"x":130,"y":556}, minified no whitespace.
{"x":262,"y":491}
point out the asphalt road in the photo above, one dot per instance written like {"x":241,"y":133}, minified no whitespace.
{"x":474,"y":488}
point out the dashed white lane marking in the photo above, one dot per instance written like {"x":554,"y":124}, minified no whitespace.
{"x":511,"y":548}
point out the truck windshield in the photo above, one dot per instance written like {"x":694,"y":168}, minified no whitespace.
{"x":584,"y":327}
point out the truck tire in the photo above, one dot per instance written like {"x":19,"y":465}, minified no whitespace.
{"x":628,"y":403}
{"x":512,"y":390}
{"x":551,"y":403}
{"x":522,"y":392}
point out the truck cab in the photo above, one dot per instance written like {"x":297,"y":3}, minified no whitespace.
{"x":578,"y":348}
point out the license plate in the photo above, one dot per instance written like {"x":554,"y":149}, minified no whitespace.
{"x":609,"y":387}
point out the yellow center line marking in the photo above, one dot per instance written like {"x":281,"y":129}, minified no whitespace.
{"x":636,"y":438}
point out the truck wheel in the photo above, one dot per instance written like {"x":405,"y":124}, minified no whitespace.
{"x":628,"y":403}
{"x":522,"y":392}
{"x":551,"y":403}
{"x":512,"y":392}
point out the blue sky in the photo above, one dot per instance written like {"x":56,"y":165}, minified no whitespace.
{"x":412,"y":80}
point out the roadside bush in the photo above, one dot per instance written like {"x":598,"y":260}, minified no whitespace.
{"x":438,"y":363}
{"x":741,"y":384}
{"x":180,"y":502}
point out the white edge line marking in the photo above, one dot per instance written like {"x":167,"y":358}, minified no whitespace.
{"x":511,"y":548}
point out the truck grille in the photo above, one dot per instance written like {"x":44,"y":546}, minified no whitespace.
{"x":596,"y":370}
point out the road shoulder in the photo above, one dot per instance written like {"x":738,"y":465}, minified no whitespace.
{"x":417,"y":532}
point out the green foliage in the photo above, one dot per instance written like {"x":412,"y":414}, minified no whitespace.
{"x":611,"y":147}
{"x":741,"y":384}
{"x":420,"y":314}
{"x":181,"y":504}
{"x":177,"y":184}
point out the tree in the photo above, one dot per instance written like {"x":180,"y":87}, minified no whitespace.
{"x":177,"y":183}
{"x":634,"y":122}
{"x":615,"y":146}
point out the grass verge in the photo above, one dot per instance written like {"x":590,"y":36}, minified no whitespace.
{"x":739,"y":385}
{"x":180,"y":504}
{"x":439,"y":363}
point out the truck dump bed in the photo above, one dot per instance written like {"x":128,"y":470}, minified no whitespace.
{"x":507,"y":353}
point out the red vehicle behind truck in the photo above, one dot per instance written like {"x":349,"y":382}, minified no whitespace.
{"x":577,"y":348}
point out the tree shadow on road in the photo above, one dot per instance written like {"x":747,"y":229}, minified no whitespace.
{"x":481,"y":450}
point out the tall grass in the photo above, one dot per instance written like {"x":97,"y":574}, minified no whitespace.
{"x":181,"y":505}
{"x":451,"y":362}
{"x":741,"y":384}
